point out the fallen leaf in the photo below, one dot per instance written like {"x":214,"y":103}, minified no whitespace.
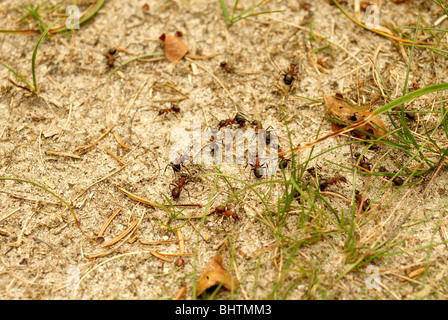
{"x":175,"y":49}
{"x":213,"y":275}
{"x":346,"y":112}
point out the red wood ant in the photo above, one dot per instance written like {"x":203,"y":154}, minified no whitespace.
{"x":174,"y":108}
{"x":362,"y":161}
{"x":177,"y":163}
{"x":239,"y":118}
{"x":398,"y":181}
{"x":225,"y":211}
{"x":358,"y":197}
{"x":257,"y":168}
{"x":111,"y":57}
{"x":175,"y":192}
{"x":289,"y":76}
{"x":283,"y":163}
{"x":410,"y":116}
{"x":324,"y":183}
{"x":225,"y":66}
{"x":214,"y":145}
{"x":267,"y":132}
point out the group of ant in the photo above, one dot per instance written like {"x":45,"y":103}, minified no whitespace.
{"x":324,"y":183}
{"x":185,"y":178}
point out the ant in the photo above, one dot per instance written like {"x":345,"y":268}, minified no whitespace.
{"x":398,"y":181}
{"x":175,"y":192}
{"x":410,"y":116}
{"x":324,"y":183}
{"x":239,"y":118}
{"x":257,"y":168}
{"x":312,"y":171}
{"x":362,"y":162}
{"x":289,"y":76}
{"x":224,"y":210}
{"x":225,"y":66}
{"x":358,"y":197}
{"x":283,"y":163}
{"x":174,"y":108}
{"x":214,"y":145}
{"x":267,"y":132}
{"x":177,"y":163}
{"x":111,"y":57}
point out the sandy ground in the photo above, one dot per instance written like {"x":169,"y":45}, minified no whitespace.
{"x":44,"y":250}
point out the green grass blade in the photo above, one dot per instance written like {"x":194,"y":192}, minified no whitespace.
{"x":33,"y":61}
{"x":225,"y":12}
{"x":18,"y":76}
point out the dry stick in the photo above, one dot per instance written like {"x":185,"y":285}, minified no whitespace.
{"x":175,"y":89}
{"x":9,"y":214}
{"x":82,"y":150}
{"x":331,"y":135}
{"x":106,"y":261}
{"x":267,"y":51}
{"x":136,"y":198}
{"x":192,"y":56}
{"x":114,"y":156}
{"x":63,"y":154}
{"x":57,"y":86}
{"x":180,"y":293}
{"x":121,"y":235}
{"x":19,"y":238}
{"x":131,"y":102}
{"x":157,"y":242}
{"x":216,"y":78}
{"x":383,"y":33}
{"x":106,"y":224}
{"x":180,"y":237}
{"x":120,"y":141}
{"x":437,"y":77}
{"x":161,"y":257}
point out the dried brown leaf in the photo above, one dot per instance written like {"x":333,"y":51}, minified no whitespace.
{"x":213,"y":275}
{"x":175,"y":49}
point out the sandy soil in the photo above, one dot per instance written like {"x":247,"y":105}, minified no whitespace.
{"x":42,"y":250}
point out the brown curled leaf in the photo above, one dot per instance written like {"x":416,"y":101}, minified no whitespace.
{"x":175,"y":49}
{"x":346,"y":112}
{"x":213,"y":275}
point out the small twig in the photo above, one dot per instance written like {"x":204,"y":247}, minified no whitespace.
{"x":83,"y":150}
